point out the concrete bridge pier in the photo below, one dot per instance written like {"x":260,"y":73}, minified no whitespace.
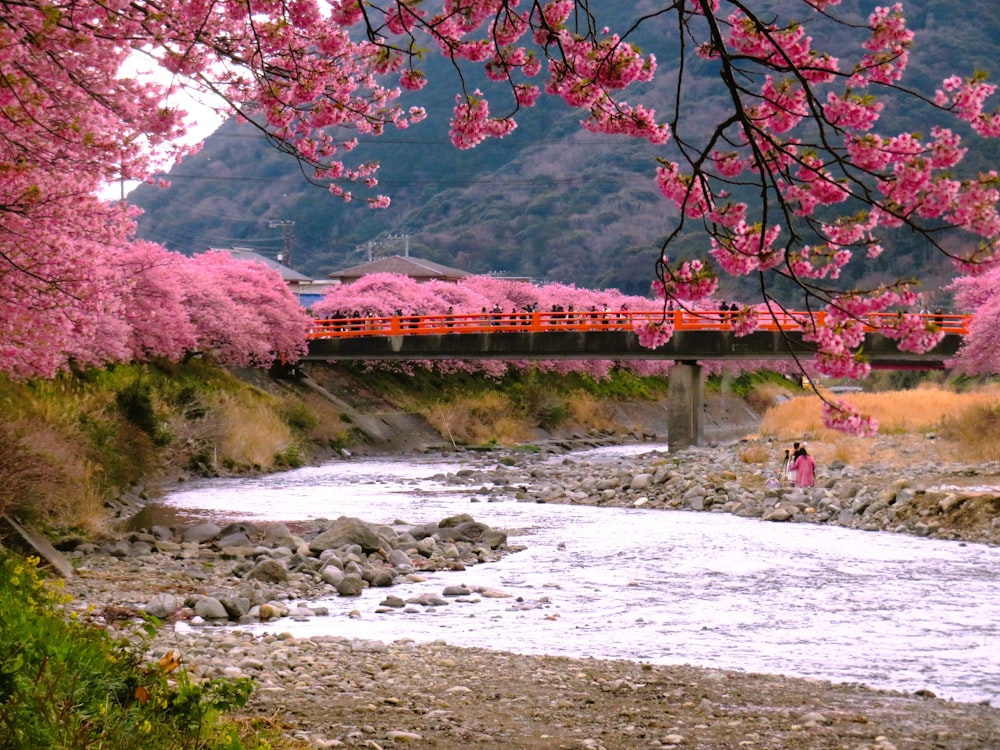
{"x":686,"y":408}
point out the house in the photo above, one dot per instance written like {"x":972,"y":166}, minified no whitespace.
{"x":308,"y":291}
{"x":416,"y":268}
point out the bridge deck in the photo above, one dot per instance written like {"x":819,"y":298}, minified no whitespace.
{"x":616,"y":320}
{"x":610,"y":336}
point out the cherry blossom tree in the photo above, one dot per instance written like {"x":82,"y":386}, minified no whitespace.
{"x":793,"y":183}
{"x":75,"y":287}
{"x":243,"y":313}
{"x":979,"y":295}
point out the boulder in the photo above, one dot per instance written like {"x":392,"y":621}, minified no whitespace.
{"x":400,"y":559}
{"x":346,"y":531}
{"x":493,"y":538}
{"x":210,"y":608}
{"x":269,"y":571}
{"x":200,"y":532}
{"x":278,"y":535}
{"x":378,"y":576}
{"x":466,"y":531}
{"x":455,"y":520}
{"x":332,"y":575}
{"x":351,"y":585}
{"x":162,"y":606}
{"x":640,"y":481}
{"x":236,"y":606}
{"x":235,"y":539}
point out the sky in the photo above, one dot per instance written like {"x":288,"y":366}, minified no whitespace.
{"x":202,"y":120}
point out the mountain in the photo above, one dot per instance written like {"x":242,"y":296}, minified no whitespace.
{"x":550,"y":201}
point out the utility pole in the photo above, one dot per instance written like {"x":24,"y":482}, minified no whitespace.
{"x":288,"y":231}
{"x":369,"y":248}
{"x":406,"y":242}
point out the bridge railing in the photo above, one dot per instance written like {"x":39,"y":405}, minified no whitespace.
{"x":590,"y":320}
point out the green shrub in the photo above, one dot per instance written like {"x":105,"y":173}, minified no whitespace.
{"x":72,"y":685}
{"x":290,"y":458}
{"x":135,"y":403}
{"x":298,"y":416}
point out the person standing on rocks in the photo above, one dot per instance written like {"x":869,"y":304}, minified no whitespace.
{"x":790,"y":462}
{"x":803,"y":466}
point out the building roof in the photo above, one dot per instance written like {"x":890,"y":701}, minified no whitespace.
{"x":288,"y":275}
{"x":416,"y":268}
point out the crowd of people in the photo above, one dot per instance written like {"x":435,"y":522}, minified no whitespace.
{"x":357,"y":320}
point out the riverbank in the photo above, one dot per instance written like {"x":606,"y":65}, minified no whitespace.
{"x":335,"y":692}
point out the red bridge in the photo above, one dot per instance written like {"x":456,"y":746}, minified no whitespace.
{"x":562,"y":322}
{"x":698,"y":337}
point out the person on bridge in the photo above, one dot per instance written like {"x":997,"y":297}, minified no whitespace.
{"x":804,"y":467}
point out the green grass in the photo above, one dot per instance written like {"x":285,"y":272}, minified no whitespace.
{"x":71,"y":685}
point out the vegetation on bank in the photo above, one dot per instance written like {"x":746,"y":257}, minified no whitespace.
{"x":70,"y":444}
{"x":69,"y":684}
{"x":475,"y":408}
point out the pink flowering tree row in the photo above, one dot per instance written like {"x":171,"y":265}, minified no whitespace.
{"x":798,"y":179}
{"x":386,"y":294}
{"x":146,"y":302}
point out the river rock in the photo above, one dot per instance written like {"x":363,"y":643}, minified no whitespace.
{"x":378,"y":576}
{"x":210,"y":608}
{"x":346,"y":531}
{"x":351,"y":585}
{"x":162,"y":606}
{"x":269,"y":571}
{"x":278,"y":535}
{"x":400,"y":560}
{"x":201,"y":532}
{"x":456,"y":520}
{"x":235,"y":539}
{"x":778,"y":514}
{"x":695,"y":502}
{"x":467,"y":531}
{"x":641,"y":481}
{"x":235,"y":606}
{"x":332,"y":575}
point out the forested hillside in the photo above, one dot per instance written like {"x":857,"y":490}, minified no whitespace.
{"x":550,"y":201}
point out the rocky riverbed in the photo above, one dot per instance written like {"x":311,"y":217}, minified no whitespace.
{"x":336,"y":692}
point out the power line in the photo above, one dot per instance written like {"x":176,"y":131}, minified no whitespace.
{"x":288,"y":228}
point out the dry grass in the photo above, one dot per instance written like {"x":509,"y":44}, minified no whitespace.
{"x":977,"y":431}
{"x":754,"y":452}
{"x":766,"y":395}
{"x":486,"y":417}
{"x":43,"y":476}
{"x":917,"y":410}
{"x":492,"y":417}
{"x":969,"y":422}
{"x":249,"y":432}
{"x":587,"y":411}
{"x":324,"y":424}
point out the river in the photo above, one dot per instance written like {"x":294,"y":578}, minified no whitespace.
{"x":669,"y":587}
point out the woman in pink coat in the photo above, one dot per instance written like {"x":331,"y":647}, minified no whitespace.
{"x":804,"y":467}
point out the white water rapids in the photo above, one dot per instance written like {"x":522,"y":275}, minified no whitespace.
{"x":709,"y":589}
